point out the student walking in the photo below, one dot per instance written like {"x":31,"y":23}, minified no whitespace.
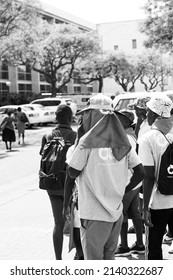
{"x":21,"y":120}
{"x":131,"y":199}
{"x":141,"y":128}
{"x":158,"y":205}
{"x":64,"y":118}
{"x":8,"y":132}
{"x":102,"y":155}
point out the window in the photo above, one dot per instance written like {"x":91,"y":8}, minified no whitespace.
{"x":24,"y":73}
{"x":45,"y":88}
{"x":24,"y":88}
{"x":116,"y":47}
{"x":76,"y":78}
{"x":4,"y":71}
{"x":58,"y":21}
{"x":64,"y":89}
{"x":89,"y":89}
{"x":85,"y":99}
{"x":4,"y":89}
{"x":77,"y":89}
{"x":122,"y":103}
{"x":134,"y":44}
{"x":42,"y":78}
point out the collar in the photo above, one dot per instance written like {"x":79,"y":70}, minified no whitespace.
{"x":66,"y":126}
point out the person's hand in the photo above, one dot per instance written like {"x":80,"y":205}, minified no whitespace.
{"x":147,"y":218}
{"x":65,"y":213}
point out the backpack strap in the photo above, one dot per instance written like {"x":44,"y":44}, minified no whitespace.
{"x":162,"y":134}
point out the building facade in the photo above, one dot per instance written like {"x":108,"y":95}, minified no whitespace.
{"x":125,"y":36}
{"x":23,"y":80}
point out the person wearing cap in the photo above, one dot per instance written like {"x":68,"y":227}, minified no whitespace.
{"x":158,"y":208}
{"x":141,"y":128}
{"x":141,"y":112}
{"x":130,"y":199}
{"x":64,"y":118}
{"x":100,"y":165}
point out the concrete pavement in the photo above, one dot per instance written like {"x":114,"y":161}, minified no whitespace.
{"x":26,"y":230}
{"x":26,"y":220}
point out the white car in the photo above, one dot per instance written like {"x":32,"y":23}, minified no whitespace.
{"x":46,"y":115}
{"x":33,"y":118}
{"x":53,"y":102}
{"x":123,"y":101}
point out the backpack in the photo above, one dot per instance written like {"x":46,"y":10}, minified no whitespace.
{"x":23,"y":118}
{"x":165,"y":178}
{"x":52,"y":171}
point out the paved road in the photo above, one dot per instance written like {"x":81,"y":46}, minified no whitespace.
{"x":26,"y":219}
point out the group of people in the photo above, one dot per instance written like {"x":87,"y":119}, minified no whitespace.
{"x":8,"y":127}
{"x":110,"y":162}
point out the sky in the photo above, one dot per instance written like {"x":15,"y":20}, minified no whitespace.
{"x":101,"y":11}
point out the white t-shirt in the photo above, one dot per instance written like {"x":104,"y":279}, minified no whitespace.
{"x":152,"y":145}
{"x":102,"y":182}
{"x":144,"y":128}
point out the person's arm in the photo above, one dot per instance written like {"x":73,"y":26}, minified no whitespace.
{"x":43,"y":142}
{"x":68,"y":189}
{"x":138,"y":124}
{"x":136,"y":178}
{"x":148,"y":185}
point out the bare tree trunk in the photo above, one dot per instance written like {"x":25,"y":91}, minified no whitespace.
{"x":100,"y":80}
{"x":54,"y":89}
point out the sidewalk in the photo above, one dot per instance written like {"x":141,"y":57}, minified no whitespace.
{"x":27,"y":230}
{"x":26,"y":216}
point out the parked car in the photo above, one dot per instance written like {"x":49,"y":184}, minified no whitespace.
{"x":122,"y":101}
{"x":46,"y":115}
{"x":53,"y":102}
{"x":33,"y":118}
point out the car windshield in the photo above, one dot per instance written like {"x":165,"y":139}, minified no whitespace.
{"x":122,"y":103}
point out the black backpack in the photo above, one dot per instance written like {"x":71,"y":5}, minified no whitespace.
{"x":165,"y":178}
{"x":52,"y":166}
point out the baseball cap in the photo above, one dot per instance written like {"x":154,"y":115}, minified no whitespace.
{"x":140,"y":103}
{"x":160,"y":105}
{"x":127,"y":113}
{"x":98,"y":102}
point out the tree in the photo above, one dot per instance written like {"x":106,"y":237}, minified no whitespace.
{"x":95,"y":68}
{"x":14,"y":15}
{"x":125,"y":71}
{"x":53,"y":50}
{"x":155,"y":69}
{"x":158,"y":24}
